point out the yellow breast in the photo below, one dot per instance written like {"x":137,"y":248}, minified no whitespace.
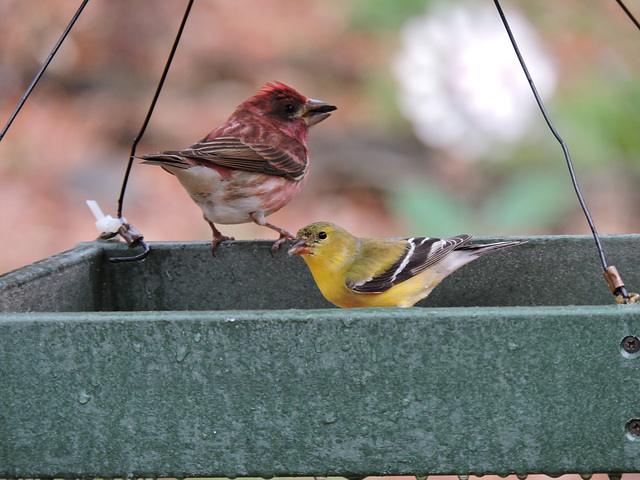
{"x":405,"y":294}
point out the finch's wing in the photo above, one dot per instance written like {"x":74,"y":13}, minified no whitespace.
{"x":232,"y":152}
{"x":419,"y":254}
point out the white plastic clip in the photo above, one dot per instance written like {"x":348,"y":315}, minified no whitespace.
{"x":105,"y":223}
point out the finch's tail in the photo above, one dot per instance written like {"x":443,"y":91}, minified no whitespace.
{"x":478,"y":250}
{"x":166,"y":159}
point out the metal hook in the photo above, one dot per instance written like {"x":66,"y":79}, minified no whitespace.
{"x":109,"y":227}
{"x":618,"y":288}
{"x":133,"y":238}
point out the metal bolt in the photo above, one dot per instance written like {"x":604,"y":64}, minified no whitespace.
{"x":633,"y":427}
{"x":630,"y":344}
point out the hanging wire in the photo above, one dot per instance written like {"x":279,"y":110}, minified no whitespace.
{"x":126,"y":231}
{"x":610,"y":272}
{"x":152,"y":107}
{"x":555,"y":134}
{"x":629,"y":14}
{"x":42,"y":69}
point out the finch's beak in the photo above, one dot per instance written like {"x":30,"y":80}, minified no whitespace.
{"x":315,"y":111}
{"x":300,"y":247}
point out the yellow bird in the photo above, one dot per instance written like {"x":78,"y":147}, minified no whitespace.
{"x":381,"y":272}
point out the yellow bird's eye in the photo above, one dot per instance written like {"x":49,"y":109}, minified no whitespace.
{"x":322,"y":235}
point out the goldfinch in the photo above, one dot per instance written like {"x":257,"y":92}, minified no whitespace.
{"x":381,"y":272}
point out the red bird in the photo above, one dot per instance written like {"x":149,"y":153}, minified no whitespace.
{"x":252,"y":165}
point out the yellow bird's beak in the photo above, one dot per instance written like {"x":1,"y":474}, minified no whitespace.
{"x":301,"y":246}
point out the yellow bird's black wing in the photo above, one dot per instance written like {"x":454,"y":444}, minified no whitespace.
{"x":420,"y":254}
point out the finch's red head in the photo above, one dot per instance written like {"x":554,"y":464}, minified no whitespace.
{"x":286,"y":109}
{"x":278,"y":90}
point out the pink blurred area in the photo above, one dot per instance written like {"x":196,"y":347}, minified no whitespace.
{"x":72,"y":139}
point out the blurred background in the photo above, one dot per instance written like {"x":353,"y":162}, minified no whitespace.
{"x":436,"y":131}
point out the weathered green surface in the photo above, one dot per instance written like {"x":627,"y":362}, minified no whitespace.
{"x":322,"y":392}
{"x":65,"y":282}
{"x":236,"y":369}
{"x":244,"y":276}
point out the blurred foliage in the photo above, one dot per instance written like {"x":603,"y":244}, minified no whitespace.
{"x":380,"y":88}
{"x":603,"y":122}
{"x":429,"y":207}
{"x":526,"y":188}
{"x":525,"y":203}
{"x":384,"y":15}
{"x":530,"y":201}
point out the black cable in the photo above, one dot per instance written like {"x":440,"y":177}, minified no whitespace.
{"x":629,"y":14}
{"x":151,"y":107}
{"x":135,"y":258}
{"x":42,"y":70}
{"x":555,"y":134}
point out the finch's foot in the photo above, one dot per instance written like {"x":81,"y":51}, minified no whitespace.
{"x":216,"y":240}
{"x":217,"y":237}
{"x":258,"y":217}
{"x":284,"y":236}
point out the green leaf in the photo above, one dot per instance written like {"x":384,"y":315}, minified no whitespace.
{"x":385,"y":15}
{"x":530,"y":201}
{"x":431,"y":210}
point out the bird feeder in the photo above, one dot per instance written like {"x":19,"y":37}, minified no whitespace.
{"x":186,"y":364}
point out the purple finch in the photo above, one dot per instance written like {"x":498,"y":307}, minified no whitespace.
{"x":252,"y":165}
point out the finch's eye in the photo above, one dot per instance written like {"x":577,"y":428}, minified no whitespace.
{"x":289,"y":108}
{"x":322,"y":235}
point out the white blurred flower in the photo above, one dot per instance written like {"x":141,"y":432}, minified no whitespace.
{"x":460,"y":83}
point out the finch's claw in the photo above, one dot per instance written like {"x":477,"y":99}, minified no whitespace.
{"x":216,"y":240}
{"x":217,"y":237}
{"x":283,"y":238}
{"x":258,"y":217}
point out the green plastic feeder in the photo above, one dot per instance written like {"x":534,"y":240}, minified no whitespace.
{"x":191,"y":365}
